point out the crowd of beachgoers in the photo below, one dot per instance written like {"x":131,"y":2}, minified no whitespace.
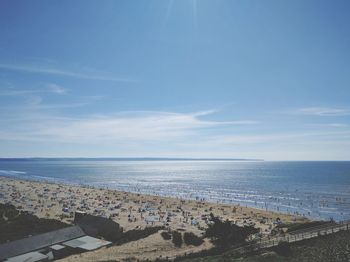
{"x":133,"y":211}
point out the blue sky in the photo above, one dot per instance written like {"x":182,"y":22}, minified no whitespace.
{"x":175,"y":78}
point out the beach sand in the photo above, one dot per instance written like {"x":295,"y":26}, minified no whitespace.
{"x":131,"y":211}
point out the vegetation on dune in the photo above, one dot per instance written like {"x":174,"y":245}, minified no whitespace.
{"x":305,"y":225}
{"x":177,"y":238}
{"x":16,"y":224}
{"x":192,"y":239}
{"x":166,"y":235}
{"x":137,"y":234}
{"x":283,"y":249}
{"x":335,"y":248}
{"x":225,"y":234}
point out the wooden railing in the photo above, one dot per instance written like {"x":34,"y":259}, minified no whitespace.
{"x":295,"y":236}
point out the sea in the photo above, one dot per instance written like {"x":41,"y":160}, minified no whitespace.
{"x":318,"y":190}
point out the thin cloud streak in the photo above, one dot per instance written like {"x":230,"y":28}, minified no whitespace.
{"x":277,"y":137}
{"x":57,"y":89}
{"x":34,"y":103}
{"x":333,"y":125}
{"x":322,"y":111}
{"x":49,"y":88}
{"x":54,"y":71}
{"x":182,"y":134}
{"x":129,"y":126}
{"x":18,"y":92}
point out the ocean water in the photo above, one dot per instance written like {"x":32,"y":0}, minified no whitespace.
{"x":319,"y":190}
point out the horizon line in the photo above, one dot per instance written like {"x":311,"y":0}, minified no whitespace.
{"x":131,"y":158}
{"x":171,"y":159}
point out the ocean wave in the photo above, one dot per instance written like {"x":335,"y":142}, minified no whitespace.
{"x":12,"y":172}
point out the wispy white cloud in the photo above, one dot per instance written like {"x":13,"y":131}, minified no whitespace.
{"x":60,"y":106}
{"x":57,"y":89}
{"x":123,"y":126}
{"x":93,"y":75}
{"x":48,"y":88}
{"x":335,"y":125}
{"x":34,"y":103}
{"x":274,"y":138}
{"x":322,"y":111}
{"x":160,"y":133}
{"x":299,"y":145}
{"x":34,"y":100}
{"x":19,"y":92}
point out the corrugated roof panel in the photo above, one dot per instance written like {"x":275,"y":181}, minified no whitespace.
{"x":87,"y":243}
{"x":29,"y":257}
{"x":29,"y":244}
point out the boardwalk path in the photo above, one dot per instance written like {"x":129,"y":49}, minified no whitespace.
{"x":296,"y":236}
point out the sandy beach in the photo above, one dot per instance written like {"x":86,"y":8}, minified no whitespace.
{"x":131,"y":211}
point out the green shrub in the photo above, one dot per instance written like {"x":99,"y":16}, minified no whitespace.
{"x":20,"y":224}
{"x":177,"y":238}
{"x":136,"y":234}
{"x":192,"y":239}
{"x":283,"y":249}
{"x":304,"y":225}
{"x":166,"y":235}
{"x":225,"y":234}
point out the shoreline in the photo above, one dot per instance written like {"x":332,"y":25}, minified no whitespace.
{"x":165,"y":196}
{"x":295,"y":189}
